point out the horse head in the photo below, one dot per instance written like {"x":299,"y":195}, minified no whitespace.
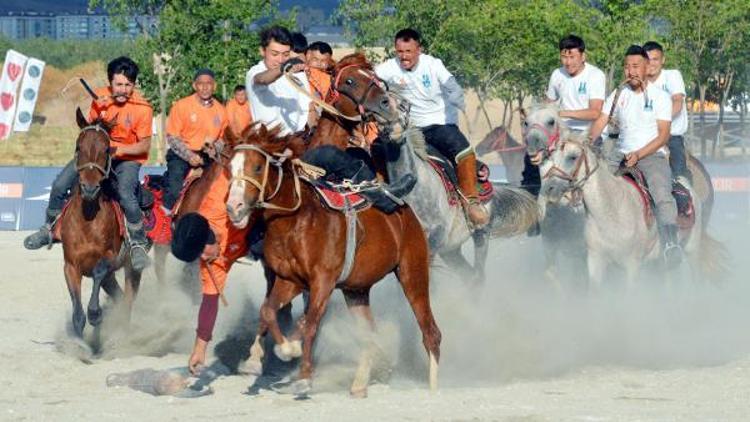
{"x":92,"y":157}
{"x":256,"y":167}
{"x":542,"y":128}
{"x":569,"y":165}
{"x":357,"y":92}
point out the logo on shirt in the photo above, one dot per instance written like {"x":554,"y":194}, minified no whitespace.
{"x":426,"y":81}
{"x":128,"y":121}
{"x":648,"y":105}
{"x":217,"y":121}
{"x":582,"y":88}
{"x":193,"y":117}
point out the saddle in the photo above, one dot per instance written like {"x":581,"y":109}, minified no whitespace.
{"x":681,"y":194}
{"x":447,"y":172}
{"x":335,"y":196}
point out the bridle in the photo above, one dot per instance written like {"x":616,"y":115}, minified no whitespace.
{"x":92,"y":165}
{"x":335,"y":94}
{"x":553,"y":137}
{"x":582,"y":162}
{"x":277,"y":161}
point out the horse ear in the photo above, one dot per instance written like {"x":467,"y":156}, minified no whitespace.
{"x":230,"y":137}
{"x":82,"y":122}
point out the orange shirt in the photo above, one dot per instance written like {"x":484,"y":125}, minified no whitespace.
{"x":320,"y":82}
{"x":195,"y":124}
{"x":239,"y":115}
{"x":134,"y":120}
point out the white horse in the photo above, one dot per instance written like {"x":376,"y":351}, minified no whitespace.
{"x":616,"y":229}
{"x":512,"y":210}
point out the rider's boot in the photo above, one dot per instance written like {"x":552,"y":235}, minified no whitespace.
{"x":43,"y":236}
{"x":672,"y":248}
{"x":139,"y":259}
{"x":388,"y":197}
{"x":466,"y":170}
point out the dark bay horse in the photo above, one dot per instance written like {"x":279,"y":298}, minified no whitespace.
{"x":306,"y":243}
{"x":92,"y":242}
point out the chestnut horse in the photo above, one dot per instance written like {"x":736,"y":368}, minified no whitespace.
{"x":92,"y":242}
{"x":305,"y":246}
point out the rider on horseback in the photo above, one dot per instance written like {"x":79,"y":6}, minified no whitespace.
{"x":194,"y":122}
{"x":670,"y":80}
{"x":435,"y":99}
{"x":274,"y":101}
{"x":579,"y":89}
{"x":643,"y":114}
{"x":130,"y":141}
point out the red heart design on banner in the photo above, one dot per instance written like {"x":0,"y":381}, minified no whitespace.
{"x":13,"y":71}
{"x":3,"y":130}
{"x":6,"y":100}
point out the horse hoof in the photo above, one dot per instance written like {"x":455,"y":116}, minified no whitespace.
{"x":298,"y":388}
{"x":287,"y":350}
{"x":359,"y":393}
{"x":251,"y":367}
{"x":94,"y":316}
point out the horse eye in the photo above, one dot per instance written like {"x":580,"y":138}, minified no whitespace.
{"x":350,"y":81}
{"x":572,"y":158}
{"x":525,"y":123}
{"x":257,"y":168}
{"x":551,"y":122}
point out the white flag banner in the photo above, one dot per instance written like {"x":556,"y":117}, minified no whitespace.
{"x":27,"y":96}
{"x":11,"y":78}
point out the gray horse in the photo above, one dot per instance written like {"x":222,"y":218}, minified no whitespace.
{"x":617,"y":231}
{"x":561,"y":226}
{"x":512,"y":210}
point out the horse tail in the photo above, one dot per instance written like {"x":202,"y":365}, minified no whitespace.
{"x":707,"y":204}
{"x":713,"y":259}
{"x":514,"y":211}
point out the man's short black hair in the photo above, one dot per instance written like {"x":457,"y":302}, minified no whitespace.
{"x":299,"y":43}
{"x":275,"y":33}
{"x":408,"y":34}
{"x":636,"y":50}
{"x":123,"y":66}
{"x":239,"y":88}
{"x":653,"y":45}
{"x":572,"y":42}
{"x":322,"y":47}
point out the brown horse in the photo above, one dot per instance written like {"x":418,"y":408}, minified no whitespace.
{"x":508,"y":148}
{"x":306,"y":244}
{"x":92,"y":242}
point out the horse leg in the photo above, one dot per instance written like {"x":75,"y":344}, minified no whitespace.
{"x":110,"y":286}
{"x":282,"y":293}
{"x":160,"y":263}
{"x":413,"y":274}
{"x":597,"y":265}
{"x":320,"y":292}
{"x":481,"y":249}
{"x":99,"y":274}
{"x":551,"y":270}
{"x":73,"y":280}
{"x":132,"y":284}
{"x":456,"y":261}
{"x":358,"y":303}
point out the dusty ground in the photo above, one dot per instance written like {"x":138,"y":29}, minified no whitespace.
{"x":513,"y":351}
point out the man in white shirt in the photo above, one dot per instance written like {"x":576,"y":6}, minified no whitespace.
{"x":643,"y":113}
{"x":435,"y":99}
{"x":670,"y":80}
{"x":273,"y":100}
{"x":578,"y":88}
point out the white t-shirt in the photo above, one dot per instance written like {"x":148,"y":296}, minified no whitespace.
{"x":637,"y":118}
{"x":279,"y":102}
{"x":574,"y":92}
{"x":422,"y":87}
{"x":671,"y":82}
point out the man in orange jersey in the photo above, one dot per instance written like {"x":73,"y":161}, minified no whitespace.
{"x":238,"y":110}
{"x":319,"y":61}
{"x":194,"y":121}
{"x":129,"y":147}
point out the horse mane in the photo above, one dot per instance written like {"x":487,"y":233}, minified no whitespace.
{"x":270,"y":141}
{"x":354,"y":59}
{"x":415,"y":137}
